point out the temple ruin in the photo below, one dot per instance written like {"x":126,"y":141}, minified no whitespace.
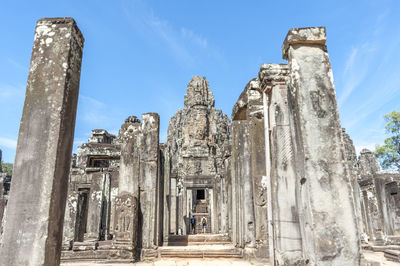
{"x":280,"y":181}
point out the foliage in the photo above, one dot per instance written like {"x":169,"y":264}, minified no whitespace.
{"x":7,"y":168}
{"x":388,"y":154}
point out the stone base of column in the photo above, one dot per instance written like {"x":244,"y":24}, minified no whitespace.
{"x":259,"y":253}
{"x":109,"y":250}
{"x":147,"y":253}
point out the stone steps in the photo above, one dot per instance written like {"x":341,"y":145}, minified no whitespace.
{"x":199,"y":246}
{"x":97,"y":255}
{"x":206,"y":251}
{"x":393,"y":255}
{"x":383,"y":248}
{"x":98,"y":251}
{"x":185,"y":246}
{"x":198,"y":239}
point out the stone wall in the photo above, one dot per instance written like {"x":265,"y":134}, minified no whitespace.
{"x":380,"y":202}
{"x":249,"y":197}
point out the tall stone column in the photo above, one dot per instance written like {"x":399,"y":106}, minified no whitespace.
{"x":243,"y":225}
{"x":287,"y":237}
{"x":351,"y":158}
{"x":149,"y":163}
{"x":129,"y":163}
{"x":326,"y":207}
{"x":34,"y":222}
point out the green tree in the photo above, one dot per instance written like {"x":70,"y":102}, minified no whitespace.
{"x":7,"y":168}
{"x":388,"y":154}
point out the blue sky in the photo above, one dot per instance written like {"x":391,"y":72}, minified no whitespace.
{"x":139,"y":56}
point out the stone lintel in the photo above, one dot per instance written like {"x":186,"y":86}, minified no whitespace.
{"x":272,"y":74}
{"x":311,"y":35}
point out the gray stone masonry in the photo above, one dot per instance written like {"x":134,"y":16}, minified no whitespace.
{"x":149,"y":160}
{"x":34,"y":221}
{"x":325,"y":199}
{"x":287,"y":238}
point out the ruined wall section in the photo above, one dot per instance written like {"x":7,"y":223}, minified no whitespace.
{"x":380,"y":201}
{"x":92,"y":187}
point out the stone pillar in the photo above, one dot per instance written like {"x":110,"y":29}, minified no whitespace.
{"x":165,"y":172}
{"x":287,"y":237}
{"x":258,"y":169}
{"x":326,"y":207}
{"x":368,"y":169}
{"x":130,"y":154}
{"x":367,"y":165}
{"x":149,"y":161}
{"x":34,"y":222}
{"x":69,"y":219}
{"x":126,"y":204}
{"x":242,"y":205}
{"x":174,"y":207}
{"x":351,"y":159}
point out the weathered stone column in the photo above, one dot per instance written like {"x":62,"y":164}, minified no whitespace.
{"x":165,"y":172}
{"x":373,"y":219}
{"x":126,"y":204}
{"x":287,"y":238}
{"x":351,"y":158}
{"x":326,"y":207}
{"x":34,"y":222}
{"x":258,"y":167}
{"x":130,"y":154}
{"x":243,"y":226}
{"x":149,"y":162}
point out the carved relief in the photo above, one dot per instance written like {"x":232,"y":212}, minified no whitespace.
{"x":126,"y":208}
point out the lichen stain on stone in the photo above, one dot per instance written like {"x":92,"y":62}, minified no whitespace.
{"x":329,"y":243}
{"x":316,"y":100}
{"x":49,"y":41}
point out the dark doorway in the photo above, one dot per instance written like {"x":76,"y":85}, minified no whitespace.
{"x":81,"y":214}
{"x":200,"y":195}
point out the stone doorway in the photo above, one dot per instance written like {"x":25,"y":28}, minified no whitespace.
{"x":199,"y":201}
{"x":81,"y":214}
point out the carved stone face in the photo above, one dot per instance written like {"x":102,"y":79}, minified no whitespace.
{"x":198,"y":93}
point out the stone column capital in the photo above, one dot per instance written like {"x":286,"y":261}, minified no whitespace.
{"x":272,"y":74}
{"x":45,"y":25}
{"x":311,"y":35}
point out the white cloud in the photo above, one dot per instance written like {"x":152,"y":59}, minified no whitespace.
{"x":92,"y":111}
{"x":185,"y":44}
{"x":9,"y":143}
{"x":357,"y":67}
{"x":193,"y":37}
{"x":166,"y":32}
{"x":92,"y":101}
